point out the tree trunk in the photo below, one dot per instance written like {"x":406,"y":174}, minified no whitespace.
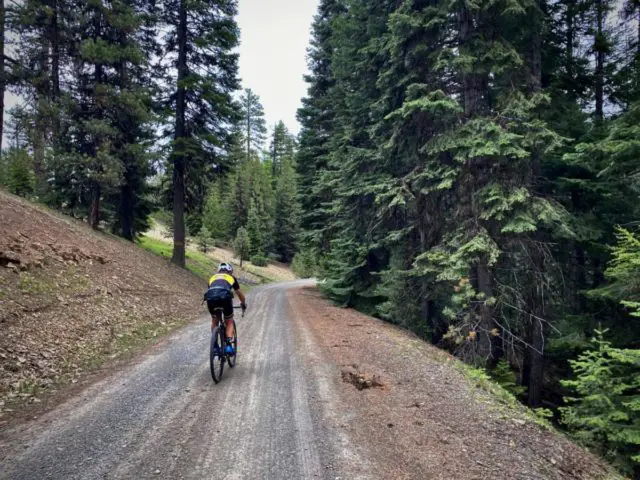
{"x":248,"y":127}
{"x":570,"y":17}
{"x":537,"y":298}
{"x":126,"y":211}
{"x":485,"y":345}
{"x":39,"y":135}
{"x":94,"y":212}
{"x":2,"y":75}
{"x":536,"y":361}
{"x":474,"y":100}
{"x":54,"y":45}
{"x":178,"y":156}
{"x":39,"y":140}
{"x":599,"y":46}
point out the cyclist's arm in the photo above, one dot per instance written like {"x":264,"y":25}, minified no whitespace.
{"x":236,"y":288}
{"x":241,"y":296}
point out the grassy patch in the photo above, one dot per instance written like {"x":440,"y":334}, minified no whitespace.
{"x":31,"y":285}
{"x":143,"y":335}
{"x":198,"y":263}
{"x":478,"y":377}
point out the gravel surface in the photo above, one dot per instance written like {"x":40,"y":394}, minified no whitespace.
{"x":164,"y":418}
{"x":318,"y":392}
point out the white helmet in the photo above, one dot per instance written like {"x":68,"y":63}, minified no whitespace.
{"x":225,"y":267}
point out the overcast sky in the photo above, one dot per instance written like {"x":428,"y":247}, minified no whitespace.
{"x":275,"y":36}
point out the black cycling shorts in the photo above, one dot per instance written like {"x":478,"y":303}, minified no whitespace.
{"x":225,"y":303}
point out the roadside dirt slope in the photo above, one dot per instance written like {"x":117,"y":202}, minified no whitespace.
{"x":71,"y":298}
{"x":419,"y":416}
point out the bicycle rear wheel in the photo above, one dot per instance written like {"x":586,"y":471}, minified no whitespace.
{"x":216,"y":354}
{"x":232,"y":358}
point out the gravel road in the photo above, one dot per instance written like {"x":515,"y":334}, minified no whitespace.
{"x":271,"y":416}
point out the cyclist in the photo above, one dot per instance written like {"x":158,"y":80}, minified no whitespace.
{"x":220,"y":295}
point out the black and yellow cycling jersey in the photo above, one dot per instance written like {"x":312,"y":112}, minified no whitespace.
{"x":225,"y":281}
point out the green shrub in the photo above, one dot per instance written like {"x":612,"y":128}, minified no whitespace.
{"x":605,"y":412}
{"x":242,"y":244}
{"x":504,"y":375}
{"x":304,"y":264}
{"x":259,"y":260}
{"x":20,"y":177}
{"x":205,"y":241}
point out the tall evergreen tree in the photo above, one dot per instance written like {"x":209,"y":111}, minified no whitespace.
{"x":37,"y":70}
{"x":286,"y":213}
{"x":201,"y":38}
{"x":104,"y":127}
{"x":254,"y":128}
{"x":282,"y":145}
{"x":316,"y":117}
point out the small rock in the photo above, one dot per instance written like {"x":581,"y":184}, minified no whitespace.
{"x":157,"y":472}
{"x":9,"y":257}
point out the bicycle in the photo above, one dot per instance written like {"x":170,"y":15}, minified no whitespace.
{"x":217,"y":354}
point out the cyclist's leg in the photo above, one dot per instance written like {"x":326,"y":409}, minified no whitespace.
{"x":212,"y":305}
{"x":228,"y":316}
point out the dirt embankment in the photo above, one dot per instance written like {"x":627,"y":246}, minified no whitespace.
{"x":70,"y":298}
{"x":419,"y":416}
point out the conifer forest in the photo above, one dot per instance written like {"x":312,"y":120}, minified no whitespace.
{"x":466,"y":169}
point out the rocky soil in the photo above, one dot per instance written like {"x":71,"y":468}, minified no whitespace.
{"x":72,"y":298}
{"x":420,"y":416}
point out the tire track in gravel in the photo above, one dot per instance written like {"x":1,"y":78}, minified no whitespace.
{"x":164,"y":417}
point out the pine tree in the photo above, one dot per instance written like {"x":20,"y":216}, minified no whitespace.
{"x":3,"y":75}
{"x":36,"y":71}
{"x":205,"y":241}
{"x":242,"y":245}
{"x":255,"y":231}
{"x":285,"y":231}
{"x":316,"y":117}
{"x":217,"y":212}
{"x":604,"y":414}
{"x":282,"y":146}
{"x":254,"y":128}
{"x":20,"y":177}
{"x":201,"y":39}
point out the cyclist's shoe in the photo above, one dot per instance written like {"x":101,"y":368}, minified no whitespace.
{"x":229,"y":348}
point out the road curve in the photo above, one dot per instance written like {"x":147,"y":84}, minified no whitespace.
{"x":271,"y":417}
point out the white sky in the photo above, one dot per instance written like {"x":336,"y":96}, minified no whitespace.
{"x":274,"y":40}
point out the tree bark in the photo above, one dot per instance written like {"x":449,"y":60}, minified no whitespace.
{"x":537,"y":297}
{"x":39,"y":141}
{"x":474,"y":99}
{"x":94,"y":211}
{"x":126,"y":211}
{"x":599,"y":52}
{"x":248,"y":127}
{"x":570,"y":14}
{"x":178,"y":156}
{"x":39,"y":134}
{"x":2,"y":74}
{"x":54,"y":45}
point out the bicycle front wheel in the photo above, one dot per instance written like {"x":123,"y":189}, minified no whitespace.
{"x":232,"y":358}
{"x":216,"y":354}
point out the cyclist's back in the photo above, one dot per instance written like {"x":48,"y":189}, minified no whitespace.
{"x":219,"y":295}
